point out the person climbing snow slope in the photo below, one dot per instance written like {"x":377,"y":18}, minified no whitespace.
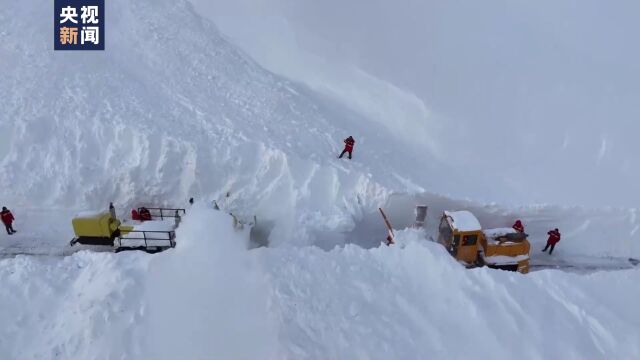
{"x":554,"y":238}
{"x":348,"y":147}
{"x":7,"y":220}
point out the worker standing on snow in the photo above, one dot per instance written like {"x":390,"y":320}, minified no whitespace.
{"x":518,"y":226}
{"x":348,"y":147}
{"x":145,"y":214}
{"x":554,"y":238}
{"x":7,"y":220}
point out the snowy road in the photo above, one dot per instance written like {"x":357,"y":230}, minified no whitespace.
{"x":48,"y":232}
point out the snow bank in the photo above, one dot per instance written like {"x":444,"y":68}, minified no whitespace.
{"x":87,"y":306}
{"x":415,"y":302}
{"x":212,"y":297}
{"x":208,"y":296}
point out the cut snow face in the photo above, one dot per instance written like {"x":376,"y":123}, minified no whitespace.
{"x":191,"y":116}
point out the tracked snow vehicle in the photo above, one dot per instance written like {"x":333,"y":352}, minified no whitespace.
{"x":461,"y":234}
{"x":101,"y":228}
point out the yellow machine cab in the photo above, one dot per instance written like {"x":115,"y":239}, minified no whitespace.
{"x":461,"y":234}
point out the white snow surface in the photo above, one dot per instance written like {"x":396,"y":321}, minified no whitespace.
{"x":494,"y":233}
{"x":209,"y":297}
{"x":464,"y":220}
{"x":504,"y":260}
{"x":170,"y":112}
{"x":528,"y":95}
{"x":154,"y":225}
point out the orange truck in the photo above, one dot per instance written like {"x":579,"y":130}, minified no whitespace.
{"x":461,"y":234}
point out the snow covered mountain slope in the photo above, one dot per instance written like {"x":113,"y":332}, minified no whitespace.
{"x":543,"y":102}
{"x":167,"y":112}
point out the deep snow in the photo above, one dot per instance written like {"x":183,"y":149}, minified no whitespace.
{"x":209,"y":297}
{"x":543,"y":101}
{"x":167,"y":113}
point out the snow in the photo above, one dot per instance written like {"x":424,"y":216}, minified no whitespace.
{"x":409,"y":301}
{"x":155,"y":225}
{"x":464,"y":220}
{"x":502,"y":90}
{"x":494,"y":233}
{"x":505,"y":260}
{"x":88,"y":214}
{"x":194,"y":116}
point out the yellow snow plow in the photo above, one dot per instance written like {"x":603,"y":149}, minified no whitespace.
{"x":101,"y":228}
{"x":461,"y":234}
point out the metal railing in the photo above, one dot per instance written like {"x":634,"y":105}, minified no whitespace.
{"x":148,"y":236}
{"x":163,"y":213}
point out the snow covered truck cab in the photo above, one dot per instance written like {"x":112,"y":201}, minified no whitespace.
{"x":101,"y":228}
{"x":461,"y":234}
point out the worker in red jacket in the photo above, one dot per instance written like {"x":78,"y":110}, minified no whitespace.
{"x":7,"y":220}
{"x":554,"y":238}
{"x":348,"y":147}
{"x":145,"y":214}
{"x":518,"y":226}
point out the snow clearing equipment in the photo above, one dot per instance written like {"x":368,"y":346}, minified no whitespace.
{"x":421,"y":215}
{"x":461,"y":234}
{"x":390,"y":235}
{"x":101,"y":228}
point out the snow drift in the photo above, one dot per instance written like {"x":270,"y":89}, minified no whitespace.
{"x":211,"y":297}
{"x":415,"y":302}
{"x":207,"y":297}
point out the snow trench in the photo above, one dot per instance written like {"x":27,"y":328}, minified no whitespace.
{"x":212,"y":297}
